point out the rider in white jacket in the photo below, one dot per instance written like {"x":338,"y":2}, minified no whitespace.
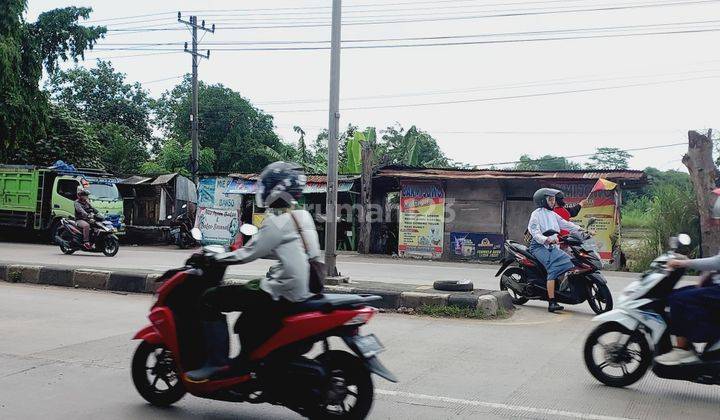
{"x":555,"y":261}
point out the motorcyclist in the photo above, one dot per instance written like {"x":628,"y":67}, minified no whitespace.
{"x":694,"y":310}
{"x":555,"y":261}
{"x":566,"y":212}
{"x":262,"y":302}
{"x":83,"y":214}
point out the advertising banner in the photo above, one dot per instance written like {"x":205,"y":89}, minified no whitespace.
{"x":422,"y":219}
{"x":218,"y":226}
{"x":218,"y":216}
{"x":602,"y":206}
{"x":469,"y":246}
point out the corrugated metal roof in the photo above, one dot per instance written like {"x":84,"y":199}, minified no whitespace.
{"x":134,"y":180}
{"x":247,"y":186}
{"x":435,"y":173}
{"x":164,"y":179}
{"x":320,"y":179}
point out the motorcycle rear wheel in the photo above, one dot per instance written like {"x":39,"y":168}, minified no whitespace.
{"x":517,"y":299}
{"x":111,"y":246}
{"x":163,"y":369}
{"x":354,"y":379}
{"x":617,"y":356}
{"x":66,"y":251}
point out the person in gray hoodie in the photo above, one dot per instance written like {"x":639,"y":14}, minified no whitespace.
{"x":263,"y":302}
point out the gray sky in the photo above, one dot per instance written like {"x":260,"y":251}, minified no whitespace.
{"x":677,"y":74}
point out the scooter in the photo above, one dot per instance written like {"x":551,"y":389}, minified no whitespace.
{"x":622,"y":348}
{"x":102,"y":236}
{"x":526,"y":277}
{"x":281,"y":371}
{"x":180,"y":230}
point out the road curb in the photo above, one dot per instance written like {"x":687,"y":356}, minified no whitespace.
{"x":138,"y":282}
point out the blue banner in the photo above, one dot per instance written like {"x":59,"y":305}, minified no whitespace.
{"x":471,"y":246}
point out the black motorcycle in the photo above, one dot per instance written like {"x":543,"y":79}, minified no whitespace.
{"x":102,"y":236}
{"x":180,"y":230}
{"x":525,"y":277}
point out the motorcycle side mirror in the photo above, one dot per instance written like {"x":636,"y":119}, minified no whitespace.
{"x":673,"y":242}
{"x":196,"y":234}
{"x":249,"y":230}
{"x":684,"y":239}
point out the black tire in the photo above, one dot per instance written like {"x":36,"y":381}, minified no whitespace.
{"x":65,"y":250}
{"x":165,"y":371}
{"x":111,"y":246}
{"x":181,"y":241}
{"x":454,"y":286}
{"x":599,"y":298}
{"x":517,"y":299}
{"x":355,"y":374}
{"x":615,"y":354}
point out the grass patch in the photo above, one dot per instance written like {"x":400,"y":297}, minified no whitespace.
{"x":636,"y":218}
{"x":450,"y":311}
{"x":14,"y":276}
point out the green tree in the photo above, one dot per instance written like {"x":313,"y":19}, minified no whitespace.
{"x":119,"y":112}
{"x":545,"y":163}
{"x":413,"y":147}
{"x":69,"y":138}
{"x":25,"y":49}
{"x":609,"y":158}
{"x":241,"y":135}
{"x":174,"y":156}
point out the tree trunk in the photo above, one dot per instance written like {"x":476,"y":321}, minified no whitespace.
{"x":703,"y":174}
{"x":365,"y":196}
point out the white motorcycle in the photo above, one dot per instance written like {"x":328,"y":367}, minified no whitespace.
{"x":621,"y":349}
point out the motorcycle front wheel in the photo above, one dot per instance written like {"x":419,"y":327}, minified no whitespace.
{"x":111,"y":246}
{"x":617,"y":356}
{"x":599,"y":298}
{"x":155,"y":375}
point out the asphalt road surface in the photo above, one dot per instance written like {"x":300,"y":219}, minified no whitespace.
{"x":65,"y":354}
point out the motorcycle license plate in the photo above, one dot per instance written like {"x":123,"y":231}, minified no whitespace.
{"x":369,"y":345}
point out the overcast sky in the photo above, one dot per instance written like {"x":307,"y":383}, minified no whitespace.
{"x":635,"y":91}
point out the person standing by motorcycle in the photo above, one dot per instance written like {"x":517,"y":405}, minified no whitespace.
{"x":263,"y":302}
{"x":567,"y":212}
{"x":555,"y":261}
{"x":83,"y":214}
{"x":694,"y":310}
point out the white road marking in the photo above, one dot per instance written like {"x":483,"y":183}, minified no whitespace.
{"x":499,"y":406}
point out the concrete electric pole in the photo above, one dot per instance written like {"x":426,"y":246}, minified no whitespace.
{"x":334,"y":119}
{"x":192,"y":23}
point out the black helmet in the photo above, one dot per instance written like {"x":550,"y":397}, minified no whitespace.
{"x":560,"y":199}
{"x":541,"y":195}
{"x":280,"y":185}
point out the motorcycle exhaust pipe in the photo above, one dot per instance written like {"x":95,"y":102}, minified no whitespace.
{"x":61,"y":241}
{"x":512,"y":284}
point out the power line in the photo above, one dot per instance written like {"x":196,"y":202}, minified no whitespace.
{"x":547,"y":82}
{"x":135,"y":55}
{"x":583,"y":155}
{"x":442,"y":44}
{"x":437,"y":19}
{"x":498,"y":98}
{"x":424,"y":38}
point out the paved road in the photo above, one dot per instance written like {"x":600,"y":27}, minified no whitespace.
{"x":64,"y":354}
{"x":358,"y":267}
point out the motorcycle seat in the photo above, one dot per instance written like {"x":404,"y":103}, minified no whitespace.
{"x":524,"y":251}
{"x":332,"y":301}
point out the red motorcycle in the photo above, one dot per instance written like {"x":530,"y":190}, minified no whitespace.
{"x":332,"y":384}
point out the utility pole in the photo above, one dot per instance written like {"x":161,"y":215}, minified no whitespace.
{"x":333,"y":123}
{"x":192,"y":23}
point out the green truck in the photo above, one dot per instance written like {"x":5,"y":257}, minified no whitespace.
{"x":36,"y":198}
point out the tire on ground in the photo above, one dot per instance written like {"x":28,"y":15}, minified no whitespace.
{"x":454,"y":286}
